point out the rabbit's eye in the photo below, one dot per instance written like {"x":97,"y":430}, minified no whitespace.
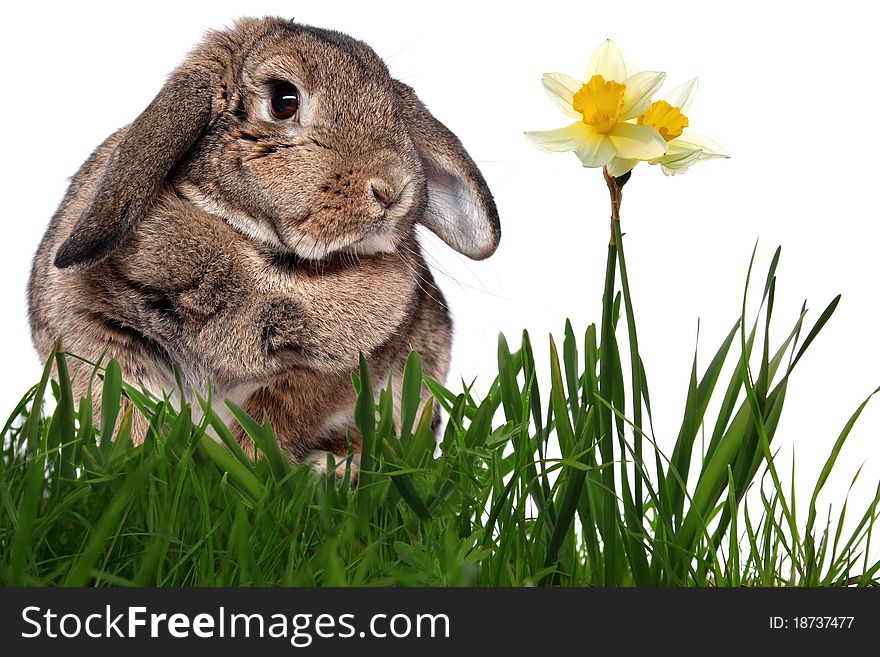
{"x":285,"y":101}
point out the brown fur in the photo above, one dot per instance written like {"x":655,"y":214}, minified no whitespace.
{"x":252,"y":252}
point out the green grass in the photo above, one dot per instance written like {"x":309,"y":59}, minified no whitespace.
{"x":553,"y":484}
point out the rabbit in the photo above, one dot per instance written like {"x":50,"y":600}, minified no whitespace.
{"x":255,"y":227}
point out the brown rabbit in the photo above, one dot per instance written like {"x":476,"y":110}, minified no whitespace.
{"x":256,"y":226}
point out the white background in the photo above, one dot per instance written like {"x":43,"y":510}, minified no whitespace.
{"x":789,"y":89}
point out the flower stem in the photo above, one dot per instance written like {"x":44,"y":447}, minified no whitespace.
{"x":611,"y":388}
{"x":615,"y":189}
{"x":606,"y":384}
{"x":639,"y":386}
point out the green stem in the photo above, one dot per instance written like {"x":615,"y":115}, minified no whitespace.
{"x":638,"y":382}
{"x":606,"y":378}
{"x":606,"y":426}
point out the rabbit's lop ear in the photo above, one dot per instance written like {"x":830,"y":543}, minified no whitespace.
{"x":139,"y":164}
{"x":461,"y":210}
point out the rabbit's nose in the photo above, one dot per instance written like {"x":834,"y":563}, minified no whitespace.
{"x":382,"y":194}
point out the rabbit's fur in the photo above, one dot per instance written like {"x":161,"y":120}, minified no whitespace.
{"x":254,"y":252}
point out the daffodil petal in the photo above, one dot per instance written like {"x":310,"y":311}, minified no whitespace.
{"x":678,"y":156}
{"x":639,"y":89}
{"x":595,"y":151}
{"x":675,"y":151}
{"x":563,"y":139}
{"x":561,"y":89}
{"x":619,"y":166}
{"x":639,"y":142}
{"x":607,"y":62}
{"x":687,"y":150}
{"x":683,"y":95}
{"x":691,"y":141}
{"x":678,"y":163}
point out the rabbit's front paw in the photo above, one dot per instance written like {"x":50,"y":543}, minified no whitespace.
{"x":327,"y":462}
{"x":283,"y":329}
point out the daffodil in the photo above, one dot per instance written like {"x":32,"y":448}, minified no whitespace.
{"x":605,"y":103}
{"x":669,"y":118}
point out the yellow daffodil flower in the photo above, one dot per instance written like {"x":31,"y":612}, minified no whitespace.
{"x":605,"y":105}
{"x":669,"y":118}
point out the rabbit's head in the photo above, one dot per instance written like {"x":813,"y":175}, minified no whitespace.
{"x":300,"y":139}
